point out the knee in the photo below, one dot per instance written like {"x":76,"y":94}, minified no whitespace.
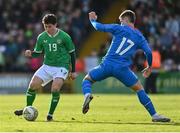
{"x":85,"y":81}
{"x":57,"y":84}
{"x":35,"y":85}
{"x":88,"y":78}
{"x":138,"y":86}
{"x":55,"y":88}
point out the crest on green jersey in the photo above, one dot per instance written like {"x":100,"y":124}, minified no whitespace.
{"x":45,"y":41}
{"x":59,"y":41}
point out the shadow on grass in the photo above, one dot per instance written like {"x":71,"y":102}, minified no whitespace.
{"x":113,"y":122}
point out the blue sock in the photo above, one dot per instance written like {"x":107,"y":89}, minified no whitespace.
{"x":146,"y":101}
{"x":86,"y":86}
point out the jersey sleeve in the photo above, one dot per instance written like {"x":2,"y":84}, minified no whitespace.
{"x":39,"y":45}
{"x":69,"y":44}
{"x":145,"y":47}
{"x":104,"y":27}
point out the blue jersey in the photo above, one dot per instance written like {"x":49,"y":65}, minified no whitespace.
{"x":125,"y":42}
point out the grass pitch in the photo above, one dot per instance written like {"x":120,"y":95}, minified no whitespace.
{"x":108,"y":113}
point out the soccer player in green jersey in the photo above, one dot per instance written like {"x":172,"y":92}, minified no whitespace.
{"x":59,"y":54}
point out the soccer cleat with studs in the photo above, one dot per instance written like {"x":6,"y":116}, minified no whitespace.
{"x":86,"y":103}
{"x":160,"y":118}
{"x":49,"y":118}
{"x":18,"y":112}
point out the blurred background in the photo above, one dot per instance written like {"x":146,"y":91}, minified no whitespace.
{"x":20,"y":24}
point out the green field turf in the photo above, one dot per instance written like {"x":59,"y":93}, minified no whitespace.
{"x":108,"y":113}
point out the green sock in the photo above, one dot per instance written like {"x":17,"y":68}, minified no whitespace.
{"x":54,"y":102}
{"x":30,"y":94}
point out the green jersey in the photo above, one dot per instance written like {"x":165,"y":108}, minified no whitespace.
{"x":56,"y":48}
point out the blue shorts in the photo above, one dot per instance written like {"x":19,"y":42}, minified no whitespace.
{"x":123,"y":74}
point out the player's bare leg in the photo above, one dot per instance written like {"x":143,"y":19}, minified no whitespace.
{"x":31,"y":94}
{"x":86,"y":86}
{"x":147,"y":103}
{"x":56,"y":86}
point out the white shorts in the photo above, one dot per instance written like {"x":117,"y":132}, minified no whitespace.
{"x":49,"y":73}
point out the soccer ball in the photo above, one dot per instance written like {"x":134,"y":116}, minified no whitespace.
{"x":30,"y":113}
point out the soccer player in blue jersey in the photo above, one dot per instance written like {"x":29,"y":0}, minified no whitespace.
{"x":125,"y":42}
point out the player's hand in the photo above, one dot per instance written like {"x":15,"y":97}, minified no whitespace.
{"x":147,"y":72}
{"x":28,"y":53}
{"x":73,"y":75}
{"x":92,"y":16}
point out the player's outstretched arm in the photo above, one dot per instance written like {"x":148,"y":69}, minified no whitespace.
{"x":148,"y":53}
{"x":92,"y":16}
{"x":99,"y":26}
